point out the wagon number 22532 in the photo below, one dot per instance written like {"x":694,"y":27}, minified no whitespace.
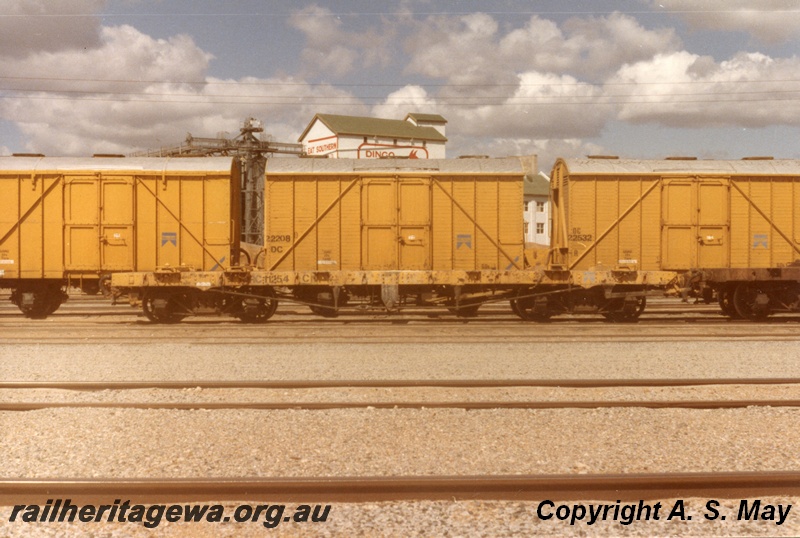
{"x":576,"y":235}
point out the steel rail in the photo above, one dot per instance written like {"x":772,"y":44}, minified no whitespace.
{"x":393,"y":383}
{"x":467,"y":405}
{"x":289,"y":340}
{"x":596,"y":487}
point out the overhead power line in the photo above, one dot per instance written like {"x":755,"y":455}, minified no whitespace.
{"x":382,"y":98}
{"x":384,"y":85}
{"x":598,"y":100}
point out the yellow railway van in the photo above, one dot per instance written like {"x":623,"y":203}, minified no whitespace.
{"x":725,"y":227}
{"x":74,"y":221}
{"x":337,"y":214}
{"x":404,"y":218}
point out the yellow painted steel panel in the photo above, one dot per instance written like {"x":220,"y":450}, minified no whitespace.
{"x":630,"y":232}
{"x":715,"y":214}
{"x":380,"y":208}
{"x":607,"y":211}
{"x":464,"y":231}
{"x":651,"y":232}
{"x":189,"y":195}
{"x":82,"y":250}
{"x":796,"y":203}
{"x":279,"y":225}
{"x":52,"y":227}
{"x":581,"y":231}
{"x":740,"y":240}
{"x":9,"y":218}
{"x":443,"y":245}
{"x":761,"y":233}
{"x":350,"y":218}
{"x":414,"y":221}
{"x":82,"y":217}
{"x":486,"y":209}
{"x":783,"y":217}
{"x":380,"y":244}
{"x":146,"y":222}
{"x":680,"y":209}
{"x":81,"y":224}
{"x":712,"y":220}
{"x":510,"y":193}
{"x":398,"y":219}
{"x":307,"y":208}
{"x":116,"y":233}
{"x":31,"y":230}
{"x":328,"y":231}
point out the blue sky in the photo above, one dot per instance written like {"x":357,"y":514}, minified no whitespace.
{"x":635,"y":78}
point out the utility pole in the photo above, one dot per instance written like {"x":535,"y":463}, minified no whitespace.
{"x":252,"y":153}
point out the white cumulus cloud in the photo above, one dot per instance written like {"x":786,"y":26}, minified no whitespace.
{"x":687,"y":90}
{"x":767,"y":20}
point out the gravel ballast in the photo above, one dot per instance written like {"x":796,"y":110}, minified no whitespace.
{"x":235,"y":443}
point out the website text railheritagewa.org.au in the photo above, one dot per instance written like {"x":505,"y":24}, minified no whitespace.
{"x":151,"y":516}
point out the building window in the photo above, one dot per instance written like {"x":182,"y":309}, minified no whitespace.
{"x":365,"y":139}
{"x":540,"y":227}
{"x":540,"y":207}
{"x":525,"y":206}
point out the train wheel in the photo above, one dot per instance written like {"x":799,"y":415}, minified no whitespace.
{"x":91,"y":287}
{"x":725,"y":297}
{"x":618,"y":314}
{"x":515,"y":308}
{"x":39,"y":302}
{"x":708,"y":295}
{"x":54,"y":300}
{"x":527,"y":310}
{"x":163,"y":308}
{"x":105,"y":285}
{"x":751,"y":302}
{"x":257,"y":309}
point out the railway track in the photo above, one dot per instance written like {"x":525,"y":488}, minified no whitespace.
{"x":407,"y":403}
{"x":382,"y":332}
{"x":468,"y":405}
{"x":393,"y":383}
{"x":596,"y":487}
